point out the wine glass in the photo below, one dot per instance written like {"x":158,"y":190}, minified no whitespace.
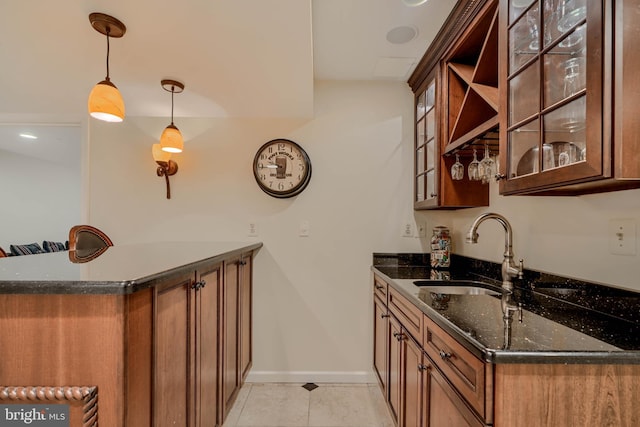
{"x":472,"y":170}
{"x":457,"y":169}
{"x":487,"y":165}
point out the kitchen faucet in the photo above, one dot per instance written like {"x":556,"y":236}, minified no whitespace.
{"x":509,"y":268}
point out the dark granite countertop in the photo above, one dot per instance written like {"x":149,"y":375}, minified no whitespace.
{"x":122,"y":269}
{"x":563,"y":320}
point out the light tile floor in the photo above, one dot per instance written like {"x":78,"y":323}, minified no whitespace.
{"x":290,"y":405}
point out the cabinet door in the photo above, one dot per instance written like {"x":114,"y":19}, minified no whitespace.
{"x":551,"y":126}
{"x":206,"y":398}
{"x":395,"y":363}
{"x":245,"y":315}
{"x":174,"y":343}
{"x":443,"y":406}
{"x":380,"y":343}
{"x":426,"y":147}
{"x":229,"y":342}
{"x":411,"y":383}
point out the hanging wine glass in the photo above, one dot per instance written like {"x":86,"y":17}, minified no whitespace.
{"x":457,"y":169}
{"x":472,"y":170}
{"x":487,"y":166}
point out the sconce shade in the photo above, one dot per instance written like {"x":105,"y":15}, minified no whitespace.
{"x":159,"y":155}
{"x":106,"y":103}
{"x":171,"y":139}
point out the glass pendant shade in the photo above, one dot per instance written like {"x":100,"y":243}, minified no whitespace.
{"x":171,"y":139}
{"x":106,"y":103}
{"x":159,"y":155}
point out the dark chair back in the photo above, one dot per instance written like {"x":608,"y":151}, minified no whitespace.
{"x":83,"y":237}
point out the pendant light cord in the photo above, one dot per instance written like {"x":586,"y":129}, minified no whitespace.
{"x":172,"y":90}
{"x":108,"y":31}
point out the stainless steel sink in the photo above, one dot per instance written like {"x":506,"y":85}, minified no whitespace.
{"x":455,"y":287}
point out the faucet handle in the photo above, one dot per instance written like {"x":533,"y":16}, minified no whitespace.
{"x":520,"y":268}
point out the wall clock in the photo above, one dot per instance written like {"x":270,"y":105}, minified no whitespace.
{"x":282,"y":168}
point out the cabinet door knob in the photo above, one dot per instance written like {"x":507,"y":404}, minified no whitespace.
{"x":500,"y":176}
{"x":433,"y":194}
{"x":382,"y":316}
{"x":198,"y":285}
{"x":378,"y":287}
{"x":422,"y":367}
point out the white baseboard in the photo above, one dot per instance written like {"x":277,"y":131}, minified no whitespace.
{"x":356,"y":377}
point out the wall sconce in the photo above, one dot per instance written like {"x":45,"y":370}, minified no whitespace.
{"x":166,"y":166}
{"x":105,"y":102}
{"x":171,"y":139}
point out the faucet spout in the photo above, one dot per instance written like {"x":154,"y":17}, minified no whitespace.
{"x":509,"y":269}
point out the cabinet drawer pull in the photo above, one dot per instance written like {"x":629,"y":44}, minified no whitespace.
{"x":382,"y":316}
{"x":379,"y":287}
{"x":444,"y":355}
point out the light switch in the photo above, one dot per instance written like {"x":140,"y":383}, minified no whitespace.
{"x":252,"y":231}
{"x":304,"y":228}
{"x":622,"y":236}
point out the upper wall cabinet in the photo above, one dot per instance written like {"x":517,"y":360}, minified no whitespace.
{"x":456,"y":107}
{"x":569,"y":91}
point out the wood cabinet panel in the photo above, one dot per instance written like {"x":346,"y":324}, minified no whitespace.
{"x":567,"y":395}
{"x":465,"y":371}
{"x":230,"y":340}
{"x":446,"y":407}
{"x":380,"y":343}
{"x":395,"y":368}
{"x":63,"y":341}
{"x":246,"y":311}
{"x":380,"y":289}
{"x":174,"y":354}
{"x":207,"y":346}
{"x":408,"y":314}
{"x":411,"y":383}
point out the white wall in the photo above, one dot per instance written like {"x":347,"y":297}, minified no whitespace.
{"x":40,"y":200}
{"x":312,"y":295}
{"x":568,"y":236}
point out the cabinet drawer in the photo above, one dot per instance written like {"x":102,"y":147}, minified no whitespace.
{"x":380,"y":288}
{"x":467,"y":373}
{"x":408,"y":314}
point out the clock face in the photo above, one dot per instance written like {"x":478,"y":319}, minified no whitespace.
{"x":282,"y":168}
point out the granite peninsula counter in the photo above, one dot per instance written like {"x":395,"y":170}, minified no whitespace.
{"x":153,"y":334}
{"x":121,"y":269}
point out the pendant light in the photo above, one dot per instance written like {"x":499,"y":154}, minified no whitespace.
{"x":105,"y":102}
{"x":171,"y":139}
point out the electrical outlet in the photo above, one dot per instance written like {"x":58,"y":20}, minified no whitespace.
{"x":421,"y":230}
{"x":252,"y":231}
{"x":407,"y":230}
{"x":622,"y":237}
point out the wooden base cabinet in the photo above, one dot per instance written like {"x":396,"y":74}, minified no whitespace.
{"x":419,"y":393}
{"x":236,"y":326}
{"x":186,"y":350}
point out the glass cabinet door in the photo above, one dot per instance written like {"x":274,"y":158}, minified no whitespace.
{"x":546,"y":90}
{"x":426,"y":145}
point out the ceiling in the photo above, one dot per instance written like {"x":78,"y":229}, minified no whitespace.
{"x":251,"y":58}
